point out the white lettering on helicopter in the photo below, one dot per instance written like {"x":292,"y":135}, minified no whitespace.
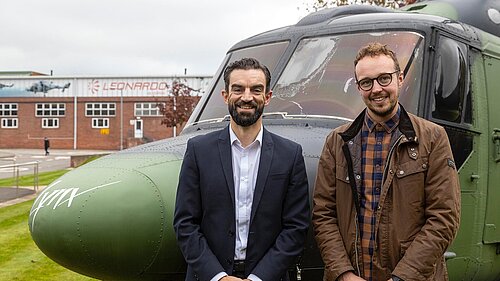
{"x":59,"y":197}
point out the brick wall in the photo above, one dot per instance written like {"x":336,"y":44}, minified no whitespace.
{"x":30,"y":133}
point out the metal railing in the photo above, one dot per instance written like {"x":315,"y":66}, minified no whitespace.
{"x":15,"y":169}
{"x":10,"y":158}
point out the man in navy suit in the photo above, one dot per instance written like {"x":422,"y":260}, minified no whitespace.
{"x":242,"y":206}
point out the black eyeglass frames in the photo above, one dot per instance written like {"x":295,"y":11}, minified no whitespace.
{"x":383,"y":80}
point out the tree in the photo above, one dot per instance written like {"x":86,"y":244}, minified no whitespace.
{"x":321,"y":4}
{"x":178,"y":108}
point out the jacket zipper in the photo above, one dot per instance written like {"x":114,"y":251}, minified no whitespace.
{"x":356,"y":253}
{"x":389,"y":156}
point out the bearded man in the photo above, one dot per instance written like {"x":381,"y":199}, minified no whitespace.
{"x":242,"y":206}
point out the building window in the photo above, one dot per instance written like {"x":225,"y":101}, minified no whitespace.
{"x":147,"y":109}
{"x":100,"y":109}
{"x":99,"y":123}
{"x":8,"y":109}
{"x":50,"y":109}
{"x":50,"y":123}
{"x":9,"y":123}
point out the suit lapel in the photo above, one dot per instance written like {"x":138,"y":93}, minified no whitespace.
{"x":266,"y":156}
{"x":227,"y":160}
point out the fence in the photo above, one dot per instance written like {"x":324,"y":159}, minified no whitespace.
{"x":16,"y":169}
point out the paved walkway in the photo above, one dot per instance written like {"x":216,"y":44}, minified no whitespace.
{"x":58,"y":159}
{"x":17,"y":151}
{"x":11,"y":195}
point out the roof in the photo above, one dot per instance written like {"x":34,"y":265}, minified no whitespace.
{"x":22,"y":73}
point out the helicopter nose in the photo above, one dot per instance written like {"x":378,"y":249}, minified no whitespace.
{"x":101,"y":222}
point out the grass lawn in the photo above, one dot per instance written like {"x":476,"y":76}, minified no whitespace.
{"x":43,"y":179}
{"x":20,"y":258}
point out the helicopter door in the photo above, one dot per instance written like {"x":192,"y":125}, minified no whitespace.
{"x":451,"y":106}
{"x":492,"y":222}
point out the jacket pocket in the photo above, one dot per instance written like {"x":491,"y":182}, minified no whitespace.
{"x":409,"y":192}
{"x":412,"y":167}
{"x":403,"y":247}
{"x":278,"y":176}
{"x":342,"y":174}
{"x":410,"y":179}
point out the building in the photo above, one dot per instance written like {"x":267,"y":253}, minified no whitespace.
{"x":87,"y":112}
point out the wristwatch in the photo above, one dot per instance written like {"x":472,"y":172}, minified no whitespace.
{"x":395,"y":278}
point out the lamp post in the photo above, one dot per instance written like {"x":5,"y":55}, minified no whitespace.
{"x":121,"y":119}
{"x":175,"y":116}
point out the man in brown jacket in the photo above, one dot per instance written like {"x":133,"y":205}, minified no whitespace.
{"x":387,"y":196}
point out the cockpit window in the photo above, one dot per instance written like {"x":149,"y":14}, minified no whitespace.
{"x":451,"y":92}
{"x":268,"y":54}
{"x":319,"y":78}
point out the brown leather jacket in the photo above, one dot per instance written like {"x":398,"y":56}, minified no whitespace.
{"x":419,"y":211}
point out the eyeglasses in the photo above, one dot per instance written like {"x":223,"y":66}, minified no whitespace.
{"x":383,"y":80}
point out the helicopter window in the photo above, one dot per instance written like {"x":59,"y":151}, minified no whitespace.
{"x":451,"y":93}
{"x":268,"y":54}
{"x":319,"y":78}
{"x":461,"y":142}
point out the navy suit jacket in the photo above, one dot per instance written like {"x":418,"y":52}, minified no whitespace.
{"x":204,"y":219}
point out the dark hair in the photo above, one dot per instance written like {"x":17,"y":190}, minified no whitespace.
{"x":246,"y":64}
{"x":376,"y":49}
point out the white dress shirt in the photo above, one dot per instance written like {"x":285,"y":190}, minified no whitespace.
{"x":245,"y":169}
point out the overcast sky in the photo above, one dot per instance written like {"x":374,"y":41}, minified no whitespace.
{"x":132,"y":37}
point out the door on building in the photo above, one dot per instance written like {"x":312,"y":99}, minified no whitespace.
{"x":138,"y":129}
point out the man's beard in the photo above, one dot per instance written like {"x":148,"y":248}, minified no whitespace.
{"x":384,"y":112}
{"x":245,"y":119}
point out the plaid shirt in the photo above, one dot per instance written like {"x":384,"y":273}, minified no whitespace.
{"x":375,"y":140}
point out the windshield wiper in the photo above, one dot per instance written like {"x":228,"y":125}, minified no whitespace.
{"x":271,"y":116}
{"x":285,"y":115}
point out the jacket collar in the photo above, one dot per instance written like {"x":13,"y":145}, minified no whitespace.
{"x":405,"y":126}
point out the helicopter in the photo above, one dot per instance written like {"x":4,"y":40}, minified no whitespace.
{"x":44,"y":87}
{"x":5,"y":86}
{"x":112,"y":218}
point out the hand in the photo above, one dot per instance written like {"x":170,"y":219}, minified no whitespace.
{"x":350,"y":276}
{"x":230,"y":278}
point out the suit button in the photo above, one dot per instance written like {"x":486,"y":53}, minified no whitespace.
{"x":230,"y":233}
{"x":229,"y":261}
